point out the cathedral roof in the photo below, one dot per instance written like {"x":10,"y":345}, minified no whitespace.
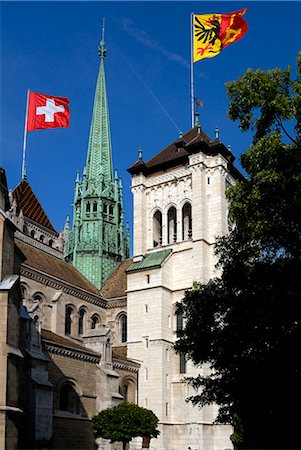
{"x":30,"y":205}
{"x":116,"y":285}
{"x":120,"y":352}
{"x":65,"y":342}
{"x":150,"y":261}
{"x":55,"y":267}
{"x":177,"y":153}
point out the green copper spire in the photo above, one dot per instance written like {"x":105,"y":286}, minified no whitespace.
{"x":96,"y":244}
{"x":99,"y":158}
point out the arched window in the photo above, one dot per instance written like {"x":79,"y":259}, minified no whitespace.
{"x":95,"y":320}
{"x":69,"y":399}
{"x":68,"y":319}
{"x":172,"y":225}
{"x":23,"y":292}
{"x":94,"y":207}
{"x":42,"y":238}
{"x":123,"y":328}
{"x":157,"y":229}
{"x":186,"y":222}
{"x":32,"y":233}
{"x":111,"y":210}
{"x":128,"y":389}
{"x":50,"y":242}
{"x":81,"y":319}
{"x":37,"y":298}
{"x":88,"y":207}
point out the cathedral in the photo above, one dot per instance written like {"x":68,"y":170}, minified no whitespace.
{"x":83,"y":326}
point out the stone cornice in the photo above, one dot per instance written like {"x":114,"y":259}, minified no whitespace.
{"x":130,"y":366}
{"x":58,"y":284}
{"x":119,"y":302}
{"x":69,"y":352}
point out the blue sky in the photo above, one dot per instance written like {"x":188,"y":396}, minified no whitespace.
{"x":51,"y":47}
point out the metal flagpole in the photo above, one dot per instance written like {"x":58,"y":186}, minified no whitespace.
{"x":25,"y":136}
{"x":191,"y":73}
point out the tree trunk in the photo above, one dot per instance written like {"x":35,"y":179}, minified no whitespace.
{"x":125,"y":445}
{"x":146,"y":441}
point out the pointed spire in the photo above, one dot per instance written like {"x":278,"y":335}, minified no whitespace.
{"x":66,"y":226}
{"x":99,"y":157}
{"x":102,"y":51}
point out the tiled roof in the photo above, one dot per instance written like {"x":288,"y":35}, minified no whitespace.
{"x":30,"y":205}
{"x":177,"y":153}
{"x":116,"y":284}
{"x":55,"y":267}
{"x":119,"y":352}
{"x":150,"y":261}
{"x":64,"y":341}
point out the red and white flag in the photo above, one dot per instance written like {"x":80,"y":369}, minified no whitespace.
{"x":47,"y":111}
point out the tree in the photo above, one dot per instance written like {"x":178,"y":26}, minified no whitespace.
{"x":246,"y":324}
{"x":124,"y":422}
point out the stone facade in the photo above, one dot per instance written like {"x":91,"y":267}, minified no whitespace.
{"x":179,"y":208}
{"x":58,"y":364}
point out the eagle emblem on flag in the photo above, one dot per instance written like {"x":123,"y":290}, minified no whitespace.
{"x":213,"y":32}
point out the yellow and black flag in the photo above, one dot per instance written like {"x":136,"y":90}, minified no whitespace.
{"x":213,"y":32}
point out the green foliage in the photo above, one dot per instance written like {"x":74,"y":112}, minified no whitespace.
{"x":261,"y":101}
{"x":124,"y":422}
{"x":246,"y":324}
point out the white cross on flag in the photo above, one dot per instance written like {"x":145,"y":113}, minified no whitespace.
{"x":47,"y":111}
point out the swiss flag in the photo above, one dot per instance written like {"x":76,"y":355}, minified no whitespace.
{"x":47,"y":111}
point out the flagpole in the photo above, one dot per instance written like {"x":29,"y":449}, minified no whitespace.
{"x":191,"y":73}
{"x":24,"y":137}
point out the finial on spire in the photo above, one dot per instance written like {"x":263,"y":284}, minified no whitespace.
{"x":102,"y":51}
{"x":229,"y":147}
{"x":216,"y":131}
{"x":139,"y":153}
{"x":181,"y":134}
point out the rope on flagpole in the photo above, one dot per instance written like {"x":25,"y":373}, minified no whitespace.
{"x":24,"y":138}
{"x":191,"y":72}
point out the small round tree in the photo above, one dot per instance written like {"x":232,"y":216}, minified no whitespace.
{"x":124,"y":422}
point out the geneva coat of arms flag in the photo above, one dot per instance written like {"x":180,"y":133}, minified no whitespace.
{"x":213,"y":32}
{"x":47,"y":111}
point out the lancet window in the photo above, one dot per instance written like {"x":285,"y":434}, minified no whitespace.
{"x":186,"y":222}
{"x":68,"y":320}
{"x":95,"y":320}
{"x":81,"y":321}
{"x":157,"y":229}
{"x":172,"y":225}
{"x":123,"y":327}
